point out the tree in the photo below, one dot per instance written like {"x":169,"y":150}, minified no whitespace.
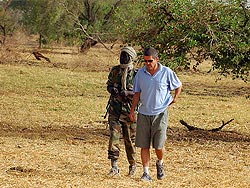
{"x":9,"y":20}
{"x":93,"y":20}
{"x":82,"y":21}
{"x":182,"y":30}
{"x":43,"y":17}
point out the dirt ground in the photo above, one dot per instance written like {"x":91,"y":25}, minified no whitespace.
{"x":35,"y":153}
{"x":76,"y":157}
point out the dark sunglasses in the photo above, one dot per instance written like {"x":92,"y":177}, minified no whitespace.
{"x":150,"y":61}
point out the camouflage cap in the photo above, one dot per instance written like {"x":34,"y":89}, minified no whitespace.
{"x":131,"y":51}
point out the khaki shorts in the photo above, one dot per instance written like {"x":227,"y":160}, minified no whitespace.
{"x":151,"y":129}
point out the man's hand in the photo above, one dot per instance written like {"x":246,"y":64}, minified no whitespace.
{"x":125,"y":93}
{"x":177,"y":93}
{"x":114,"y":92}
{"x":132,"y":116}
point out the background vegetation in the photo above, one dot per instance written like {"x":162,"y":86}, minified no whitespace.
{"x":181,"y":30}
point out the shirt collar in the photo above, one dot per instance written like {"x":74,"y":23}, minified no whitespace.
{"x":160,"y":68}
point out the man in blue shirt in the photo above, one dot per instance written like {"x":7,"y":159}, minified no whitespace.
{"x":152,"y":86}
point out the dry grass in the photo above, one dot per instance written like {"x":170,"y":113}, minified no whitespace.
{"x":53,"y":134}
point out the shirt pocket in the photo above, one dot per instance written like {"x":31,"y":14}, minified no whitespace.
{"x":161,"y":86}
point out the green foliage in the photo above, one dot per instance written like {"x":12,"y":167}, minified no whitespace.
{"x":92,"y":18}
{"x":231,"y":51}
{"x":181,"y":30}
{"x":184,"y":30}
{"x":73,"y":21}
{"x":43,"y":17}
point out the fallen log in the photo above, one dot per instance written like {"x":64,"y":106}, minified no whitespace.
{"x":191,"y":127}
{"x":38,"y":56}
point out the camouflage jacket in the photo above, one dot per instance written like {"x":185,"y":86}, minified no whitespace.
{"x":119,"y":105}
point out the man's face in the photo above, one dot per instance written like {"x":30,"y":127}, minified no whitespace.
{"x":150,"y":62}
{"x":124,"y":58}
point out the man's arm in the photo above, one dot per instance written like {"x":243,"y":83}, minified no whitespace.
{"x":176,"y":95}
{"x":135,"y":101}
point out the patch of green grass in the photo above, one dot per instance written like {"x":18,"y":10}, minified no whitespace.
{"x":39,"y":95}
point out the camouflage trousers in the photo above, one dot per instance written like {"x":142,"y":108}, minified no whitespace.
{"x":127,"y":129}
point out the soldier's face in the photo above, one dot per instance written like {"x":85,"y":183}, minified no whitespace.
{"x":124,"y":58}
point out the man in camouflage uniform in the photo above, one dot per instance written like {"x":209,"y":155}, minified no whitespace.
{"x":120,"y":86}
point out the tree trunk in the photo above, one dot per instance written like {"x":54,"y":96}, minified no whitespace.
{"x":4,"y":34}
{"x":40,"y":41}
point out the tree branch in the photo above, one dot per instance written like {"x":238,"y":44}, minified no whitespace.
{"x":223,"y":124}
{"x":111,"y":12}
{"x":246,"y":16}
{"x":97,"y":38}
{"x":191,"y":128}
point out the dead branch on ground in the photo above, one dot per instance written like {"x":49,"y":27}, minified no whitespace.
{"x":191,"y":127}
{"x":38,"y":56}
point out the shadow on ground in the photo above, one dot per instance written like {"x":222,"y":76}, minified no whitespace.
{"x":93,"y":134}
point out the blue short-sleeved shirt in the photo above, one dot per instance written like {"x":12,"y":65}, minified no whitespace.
{"x":155,"y":90}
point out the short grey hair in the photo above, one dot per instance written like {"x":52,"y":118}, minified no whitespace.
{"x":150,"y":51}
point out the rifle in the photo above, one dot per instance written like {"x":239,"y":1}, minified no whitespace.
{"x":107,"y":108}
{"x":122,"y":98}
